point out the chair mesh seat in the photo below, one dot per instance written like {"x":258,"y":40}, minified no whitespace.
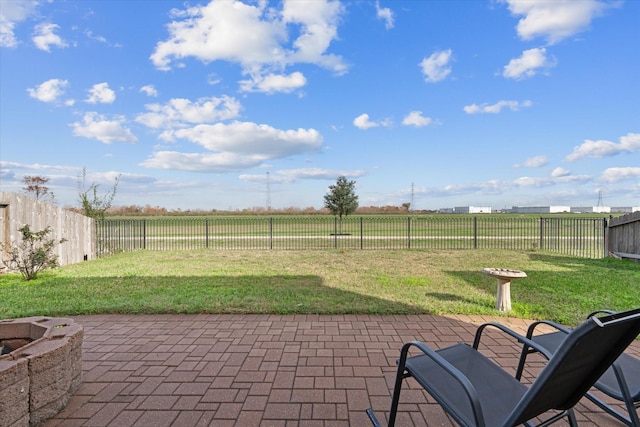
{"x":499,"y":392}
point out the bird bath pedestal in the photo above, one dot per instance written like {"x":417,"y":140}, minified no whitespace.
{"x":504,"y":276}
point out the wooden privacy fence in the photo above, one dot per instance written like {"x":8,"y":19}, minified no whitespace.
{"x":624,"y":236}
{"x":578,"y":236}
{"x":16,"y":210}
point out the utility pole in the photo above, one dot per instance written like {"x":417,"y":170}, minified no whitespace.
{"x":268,"y":193}
{"x":412,"y":194}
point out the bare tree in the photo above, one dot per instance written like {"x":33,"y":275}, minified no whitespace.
{"x":36,"y":186}
{"x":93,"y":204}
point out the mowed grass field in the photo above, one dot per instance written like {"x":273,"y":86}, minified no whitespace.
{"x":560,"y":288}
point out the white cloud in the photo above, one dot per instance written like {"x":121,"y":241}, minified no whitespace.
{"x":180,"y":112}
{"x":149,"y":90}
{"x":415,"y":118}
{"x":12,"y":13}
{"x":272,"y":83}
{"x":560,"y":172}
{"x":546,"y":181}
{"x":436,"y":67}
{"x":235,"y":146}
{"x":44,"y":37}
{"x":201,"y":162}
{"x":533,"y":162}
{"x":246,"y":138}
{"x":48,"y":91}
{"x":528,"y":64}
{"x":213,"y":79}
{"x":497,"y":107}
{"x":554,"y":20}
{"x":293,"y":175}
{"x":317,"y":27}
{"x":494,"y":187}
{"x":602,"y":148}
{"x":218,"y":31}
{"x":96,"y":126}
{"x":91,"y":36}
{"x":363,"y":122}
{"x":385,"y":14}
{"x":487,"y":187}
{"x":100,"y":93}
{"x":620,"y":174}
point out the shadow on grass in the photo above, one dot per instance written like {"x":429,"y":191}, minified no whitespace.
{"x":567,"y":290}
{"x":274,"y":294}
{"x":574,"y":262}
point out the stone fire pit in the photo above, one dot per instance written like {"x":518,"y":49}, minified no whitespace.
{"x":41,"y":369}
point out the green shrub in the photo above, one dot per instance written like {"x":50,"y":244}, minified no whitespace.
{"x":33,"y":254}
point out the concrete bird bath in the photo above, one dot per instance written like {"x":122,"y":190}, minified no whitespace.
{"x":504,"y":276}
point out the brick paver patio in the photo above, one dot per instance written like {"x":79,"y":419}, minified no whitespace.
{"x":265,"y":370}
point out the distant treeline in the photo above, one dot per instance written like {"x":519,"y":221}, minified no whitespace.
{"x":148,"y":210}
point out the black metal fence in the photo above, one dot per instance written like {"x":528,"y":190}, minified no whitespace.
{"x":584,"y":237}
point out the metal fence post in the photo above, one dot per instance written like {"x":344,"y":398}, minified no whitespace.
{"x":541,"y":244}
{"x":408,"y":232}
{"x":270,"y":232}
{"x":605,"y":237}
{"x":475,"y":232}
{"x":206,"y":232}
{"x":144,"y":234}
{"x":361,"y":234}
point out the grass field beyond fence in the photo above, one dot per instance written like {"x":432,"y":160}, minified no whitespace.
{"x":571,"y":235}
{"x":558,"y":287}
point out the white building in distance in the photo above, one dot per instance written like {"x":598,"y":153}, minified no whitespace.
{"x":468,"y":210}
{"x":540,"y":209}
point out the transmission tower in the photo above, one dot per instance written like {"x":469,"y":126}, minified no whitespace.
{"x":599,"y":198}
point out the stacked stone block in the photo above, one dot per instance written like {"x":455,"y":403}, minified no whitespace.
{"x":38,"y":378}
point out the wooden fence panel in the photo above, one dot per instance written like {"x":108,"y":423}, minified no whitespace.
{"x":79,"y":230}
{"x":624,"y":235}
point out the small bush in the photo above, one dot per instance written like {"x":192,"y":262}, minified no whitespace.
{"x":33,"y":254}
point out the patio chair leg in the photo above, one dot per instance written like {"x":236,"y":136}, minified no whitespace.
{"x":633,"y":422}
{"x":400,"y":376}
{"x":633,"y":413}
{"x":626,"y":394}
{"x":373,"y":418}
{"x":522,"y":361}
{"x":572,"y":418}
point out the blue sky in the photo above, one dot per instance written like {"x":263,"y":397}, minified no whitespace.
{"x":236,"y":104}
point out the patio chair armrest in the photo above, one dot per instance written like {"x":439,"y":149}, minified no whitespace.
{"x":525,"y":341}
{"x":468,"y":388}
{"x":534,"y":325}
{"x":603,"y":311}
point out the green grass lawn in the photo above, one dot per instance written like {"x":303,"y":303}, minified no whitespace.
{"x":560,"y":288}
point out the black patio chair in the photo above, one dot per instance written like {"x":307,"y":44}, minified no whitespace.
{"x":475,"y":391}
{"x":621,"y":381}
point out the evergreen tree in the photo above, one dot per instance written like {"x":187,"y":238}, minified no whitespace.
{"x":341,"y":199}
